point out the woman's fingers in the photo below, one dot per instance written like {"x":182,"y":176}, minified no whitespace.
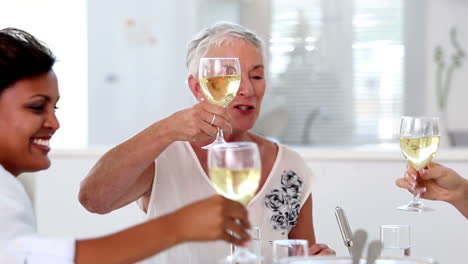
{"x":320,"y":249}
{"x":238,"y":230}
{"x":237,"y":211}
{"x":231,"y":238}
{"x":327,"y":252}
{"x":216,"y":121}
{"x":217,"y":110}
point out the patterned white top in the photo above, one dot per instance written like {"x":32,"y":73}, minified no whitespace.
{"x":180,"y":180}
{"x":19,"y":241}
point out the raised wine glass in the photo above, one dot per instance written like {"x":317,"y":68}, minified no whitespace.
{"x":419,"y":141}
{"x":235,"y":170}
{"x":219,"y":79}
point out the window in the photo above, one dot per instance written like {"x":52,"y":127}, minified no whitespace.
{"x":337,"y":69}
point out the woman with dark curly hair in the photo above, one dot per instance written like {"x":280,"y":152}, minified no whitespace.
{"x":28,"y":98}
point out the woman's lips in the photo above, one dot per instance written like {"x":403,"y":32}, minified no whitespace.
{"x":244,"y":109}
{"x":42,"y":144}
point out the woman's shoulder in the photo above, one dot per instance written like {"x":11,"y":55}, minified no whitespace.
{"x":176,"y":149}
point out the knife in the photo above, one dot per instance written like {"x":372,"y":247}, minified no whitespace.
{"x":345,"y":230}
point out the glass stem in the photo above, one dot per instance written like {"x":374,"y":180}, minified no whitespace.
{"x":419,"y":188}
{"x":417,"y":195}
{"x":220,"y":135}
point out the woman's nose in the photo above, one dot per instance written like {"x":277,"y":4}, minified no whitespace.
{"x":52,"y":122}
{"x":245,"y":88}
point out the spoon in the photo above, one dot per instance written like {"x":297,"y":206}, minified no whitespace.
{"x":359,"y":237}
{"x":373,"y":251}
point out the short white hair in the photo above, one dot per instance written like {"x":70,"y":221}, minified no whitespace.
{"x":217,"y":34}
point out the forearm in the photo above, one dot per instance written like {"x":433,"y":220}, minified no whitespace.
{"x":304,"y":228}
{"x":130,"y":245}
{"x":119,"y":170}
{"x":461,"y":202}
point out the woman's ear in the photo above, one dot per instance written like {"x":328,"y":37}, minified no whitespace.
{"x":195,"y":88}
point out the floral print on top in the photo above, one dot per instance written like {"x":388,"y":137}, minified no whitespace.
{"x":285,"y":202}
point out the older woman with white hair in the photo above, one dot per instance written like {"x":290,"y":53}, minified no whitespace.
{"x":164,"y":166}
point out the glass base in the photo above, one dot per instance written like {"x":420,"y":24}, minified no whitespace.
{"x":415,"y":207}
{"x":218,"y":141}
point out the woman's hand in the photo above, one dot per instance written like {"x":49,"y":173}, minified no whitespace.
{"x":199,"y":122}
{"x":441,"y":183}
{"x":321,"y":250}
{"x":212,"y":219}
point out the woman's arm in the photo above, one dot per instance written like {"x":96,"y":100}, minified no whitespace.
{"x":202,"y":221}
{"x":304,"y":229}
{"x":125,"y":173}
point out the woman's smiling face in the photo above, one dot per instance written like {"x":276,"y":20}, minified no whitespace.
{"x":27,"y":122}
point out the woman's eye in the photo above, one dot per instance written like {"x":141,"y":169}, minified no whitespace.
{"x":257,"y":77}
{"x":37,"y":107}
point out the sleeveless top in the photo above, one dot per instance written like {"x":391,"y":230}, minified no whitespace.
{"x":180,"y":180}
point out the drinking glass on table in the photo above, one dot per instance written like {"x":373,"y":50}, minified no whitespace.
{"x":234,"y":170}
{"x":219,"y":79}
{"x":289,"y":248}
{"x":395,"y":240}
{"x":419,"y":141}
{"x":254,"y":246}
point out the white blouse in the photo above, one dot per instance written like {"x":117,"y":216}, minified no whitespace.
{"x":19,"y":241}
{"x":180,"y":180}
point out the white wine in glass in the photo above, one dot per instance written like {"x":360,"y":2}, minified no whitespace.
{"x":236,"y":184}
{"x":419,"y":142}
{"x":219,"y":79}
{"x":235,"y":171}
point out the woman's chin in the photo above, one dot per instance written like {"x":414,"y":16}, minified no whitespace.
{"x":39,"y":166}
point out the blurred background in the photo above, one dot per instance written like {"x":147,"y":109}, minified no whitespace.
{"x":340,"y":74}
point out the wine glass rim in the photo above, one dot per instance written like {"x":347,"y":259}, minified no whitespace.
{"x":237,"y":145}
{"x":394,"y":226}
{"x":420,"y":117}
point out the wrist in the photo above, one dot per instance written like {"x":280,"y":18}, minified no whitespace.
{"x":164,"y":131}
{"x":176,"y":223}
{"x":460,"y":200}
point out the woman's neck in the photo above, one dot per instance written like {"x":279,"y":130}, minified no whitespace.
{"x":233,"y":137}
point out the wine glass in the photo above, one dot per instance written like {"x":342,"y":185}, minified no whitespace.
{"x":235,"y":170}
{"x":419,"y":141}
{"x":395,"y":240}
{"x":286,"y":248}
{"x":219,"y":79}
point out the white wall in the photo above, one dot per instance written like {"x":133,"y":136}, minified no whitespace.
{"x":361,"y":182}
{"x":58,"y":210}
{"x":136,"y":64}
{"x":441,"y":16}
{"x":61,"y":25}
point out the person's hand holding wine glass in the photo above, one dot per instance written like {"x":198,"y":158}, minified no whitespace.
{"x":235,"y":170}
{"x":220,"y":79}
{"x":419,"y":142}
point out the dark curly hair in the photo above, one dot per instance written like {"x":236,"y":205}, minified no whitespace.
{"x":22,"y":56}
